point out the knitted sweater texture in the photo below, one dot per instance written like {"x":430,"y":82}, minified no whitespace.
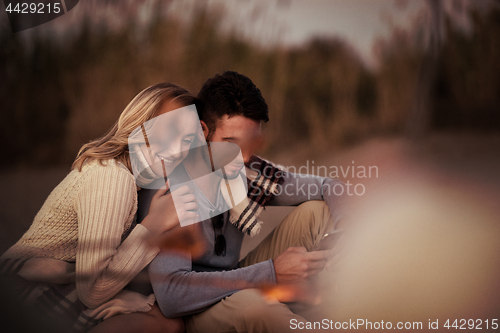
{"x":83,"y":221}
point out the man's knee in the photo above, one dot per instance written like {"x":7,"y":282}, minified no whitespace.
{"x":313,"y":207}
{"x":307,"y":223}
{"x":311,"y":213}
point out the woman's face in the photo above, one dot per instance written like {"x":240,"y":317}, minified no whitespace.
{"x":170,"y":137}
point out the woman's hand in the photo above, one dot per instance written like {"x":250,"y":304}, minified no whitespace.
{"x":186,"y":205}
{"x":163,"y":215}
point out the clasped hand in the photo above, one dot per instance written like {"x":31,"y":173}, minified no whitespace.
{"x":164,"y":215}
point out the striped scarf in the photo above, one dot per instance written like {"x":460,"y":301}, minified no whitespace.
{"x":260,"y":191}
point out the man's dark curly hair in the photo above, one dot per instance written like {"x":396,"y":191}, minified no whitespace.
{"x":231,"y":94}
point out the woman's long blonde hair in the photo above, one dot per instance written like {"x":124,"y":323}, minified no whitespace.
{"x":144,"y":106}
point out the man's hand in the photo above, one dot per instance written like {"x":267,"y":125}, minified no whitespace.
{"x":295,"y":265}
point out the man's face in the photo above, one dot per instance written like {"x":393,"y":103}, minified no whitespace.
{"x":244,"y":132}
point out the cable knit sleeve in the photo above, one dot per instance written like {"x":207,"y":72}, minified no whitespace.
{"x":107,"y":200}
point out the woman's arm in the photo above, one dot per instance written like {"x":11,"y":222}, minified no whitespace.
{"x":104,"y":265}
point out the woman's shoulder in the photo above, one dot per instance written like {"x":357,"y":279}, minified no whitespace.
{"x":105,"y":166}
{"x":106,"y":169}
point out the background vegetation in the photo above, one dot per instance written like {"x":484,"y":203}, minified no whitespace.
{"x":58,"y":93}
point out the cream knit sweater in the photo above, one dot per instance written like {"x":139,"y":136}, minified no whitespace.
{"x":83,"y":221}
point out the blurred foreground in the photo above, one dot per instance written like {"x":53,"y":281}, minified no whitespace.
{"x":424,"y":245}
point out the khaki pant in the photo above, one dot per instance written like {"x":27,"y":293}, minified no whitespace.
{"x":247,"y":310}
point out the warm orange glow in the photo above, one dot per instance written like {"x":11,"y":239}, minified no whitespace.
{"x":184,"y":239}
{"x":290,"y":293}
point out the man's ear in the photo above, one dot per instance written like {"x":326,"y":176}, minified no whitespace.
{"x":204,"y":128}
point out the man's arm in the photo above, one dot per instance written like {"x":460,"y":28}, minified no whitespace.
{"x":298,"y":188}
{"x":181,"y":291}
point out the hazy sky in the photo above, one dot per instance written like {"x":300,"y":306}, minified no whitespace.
{"x":360,"y":22}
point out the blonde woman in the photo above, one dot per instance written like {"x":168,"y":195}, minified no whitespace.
{"x":84,"y":246}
